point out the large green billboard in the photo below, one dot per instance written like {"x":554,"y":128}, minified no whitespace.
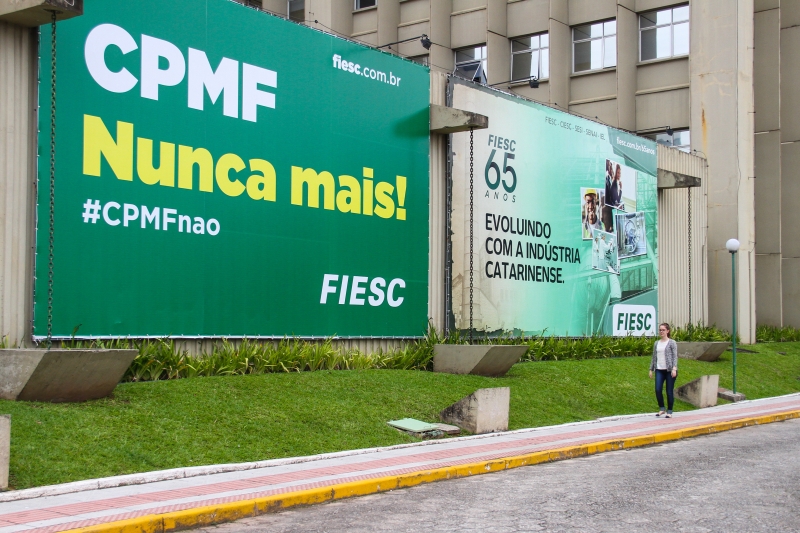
{"x":564,"y":222}
{"x":224,"y":172}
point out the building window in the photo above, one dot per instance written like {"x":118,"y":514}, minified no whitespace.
{"x":530,"y":57}
{"x":664,"y":33}
{"x":422,"y":60}
{"x":251,"y":3}
{"x":679,"y":139}
{"x":594,"y":46}
{"x":361,"y":4}
{"x":471,"y":63}
{"x":297,"y":10}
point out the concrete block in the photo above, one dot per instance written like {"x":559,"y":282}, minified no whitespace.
{"x":702,"y":351}
{"x":481,"y":360}
{"x":37,"y":12}
{"x":731,"y":396}
{"x":448,"y":429}
{"x":674,"y":180}
{"x":449,"y":120}
{"x":61,"y":375}
{"x":16,"y":368}
{"x":701,"y":392}
{"x":483,"y":411}
{"x":5,"y":449}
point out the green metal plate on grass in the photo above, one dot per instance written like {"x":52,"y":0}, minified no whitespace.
{"x":412,"y":425}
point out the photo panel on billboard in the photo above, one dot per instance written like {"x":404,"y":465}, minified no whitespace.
{"x":621,"y":186}
{"x":631,"y":234}
{"x":592,"y":203}
{"x":604,"y":252}
{"x":222,"y":172}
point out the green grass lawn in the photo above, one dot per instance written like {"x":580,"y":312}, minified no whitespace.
{"x":199,"y":421}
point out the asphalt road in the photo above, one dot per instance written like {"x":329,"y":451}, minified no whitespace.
{"x":737,"y":481}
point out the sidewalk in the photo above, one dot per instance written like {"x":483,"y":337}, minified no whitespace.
{"x":178,"y":499}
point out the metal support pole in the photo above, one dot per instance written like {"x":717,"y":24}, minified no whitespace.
{"x":49,"y":342}
{"x":733,"y":284}
{"x":689,"y":220}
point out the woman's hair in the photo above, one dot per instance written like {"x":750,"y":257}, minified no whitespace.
{"x":669,"y":330}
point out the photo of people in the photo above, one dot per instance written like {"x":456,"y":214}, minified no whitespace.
{"x":620,"y":187}
{"x":604,"y":252}
{"x":592,"y":202}
{"x":631,"y":236}
{"x":607,"y":218}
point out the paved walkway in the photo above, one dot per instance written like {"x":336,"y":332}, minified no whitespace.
{"x":156,"y":503}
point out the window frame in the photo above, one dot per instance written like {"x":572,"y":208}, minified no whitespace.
{"x":530,"y":51}
{"x":671,"y":25}
{"x":653,"y":136}
{"x":289,"y":12}
{"x":602,"y":38}
{"x":482,"y":62}
{"x":357,"y":7}
{"x":255,"y":4}
{"x":423,"y":59}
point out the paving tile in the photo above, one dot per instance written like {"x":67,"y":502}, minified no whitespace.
{"x":26,"y":517}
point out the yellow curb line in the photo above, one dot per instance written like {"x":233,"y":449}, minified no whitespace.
{"x":228,"y":512}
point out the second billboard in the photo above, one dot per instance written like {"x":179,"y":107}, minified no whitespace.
{"x":564,"y":222}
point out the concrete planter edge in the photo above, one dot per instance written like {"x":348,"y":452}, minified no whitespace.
{"x":492,"y":360}
{"x":61,"y":375}
{"x":702,"y":351}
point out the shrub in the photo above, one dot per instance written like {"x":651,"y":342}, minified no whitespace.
{"x":701,"y":333}
{"x":777,"y":334}
{"x":162,"y":359}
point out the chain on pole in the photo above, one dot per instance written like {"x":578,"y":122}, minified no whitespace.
{"x":52,"y":180}
{"x":689,"y":190}
{"x":471,"y":223}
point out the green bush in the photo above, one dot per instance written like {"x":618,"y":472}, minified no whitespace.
{"x":701,"y":333}
{"x":163,"y":359}
{"x":546,"y":348}
{"x":777,"y":334}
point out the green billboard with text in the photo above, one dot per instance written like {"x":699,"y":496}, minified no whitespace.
{"x":224,"y":172}
{"x":565,"y":222}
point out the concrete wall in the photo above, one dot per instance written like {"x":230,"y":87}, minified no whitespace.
{"x":437,"y":232}
{"x":722,"y":120}
{"x":742,"y":58}
{"x":18,"y":86}
{"x":634,"y":96}
{"x":790,"y":155}
{"x":766,"y":71}
{"x":777,"y":141}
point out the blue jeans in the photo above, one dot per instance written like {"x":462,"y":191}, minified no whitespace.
{"x":661,"y":377}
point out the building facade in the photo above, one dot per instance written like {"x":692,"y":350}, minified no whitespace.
{"x":703,"y":76}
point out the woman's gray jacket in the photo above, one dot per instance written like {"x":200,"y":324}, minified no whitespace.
{"x":670,"y":355}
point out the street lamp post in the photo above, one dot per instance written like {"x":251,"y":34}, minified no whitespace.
{"x":733,"y":246}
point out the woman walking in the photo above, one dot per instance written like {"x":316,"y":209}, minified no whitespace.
{"x":665,"y":365}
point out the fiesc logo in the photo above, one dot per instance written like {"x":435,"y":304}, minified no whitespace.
{"x":494,"y":176}
{"x":636,"y":320}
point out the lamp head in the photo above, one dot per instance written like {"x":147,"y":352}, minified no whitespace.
{"x":670,"y":131}
{"x":533,"y":82}
{"x":426,"y":43}
{"x":732,"y":245}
